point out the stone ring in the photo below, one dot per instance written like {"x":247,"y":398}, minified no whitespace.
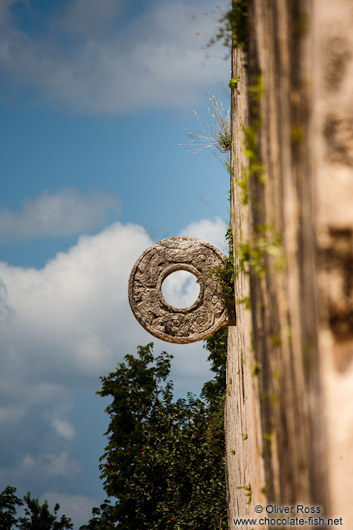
{"x":164,"y":321}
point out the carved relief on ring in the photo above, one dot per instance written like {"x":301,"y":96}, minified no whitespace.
{"x":180,"y":325}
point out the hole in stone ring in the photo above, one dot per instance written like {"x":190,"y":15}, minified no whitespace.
{"x":180,"y":289}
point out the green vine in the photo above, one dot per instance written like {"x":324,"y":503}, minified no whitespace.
{"x":225,"y":272}
{"x":255,"y":169}
{"x":253,"y":254}
{"x":249,"y":492}
{"x":233,"y":26}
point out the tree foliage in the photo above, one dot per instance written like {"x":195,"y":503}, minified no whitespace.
{"x":8,"y":507}
{"x":162,"y":464}
{"x":36,"y":516}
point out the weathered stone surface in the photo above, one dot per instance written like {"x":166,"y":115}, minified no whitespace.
{"x":333,"y":170}
{"x":289,"y":415}
{"x":181,"y":325}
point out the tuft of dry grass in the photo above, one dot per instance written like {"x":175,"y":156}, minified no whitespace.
{"x":214,"y":128}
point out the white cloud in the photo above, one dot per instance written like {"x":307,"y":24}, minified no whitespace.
{"x":77,"y":507}
{"x":11,"y":414}
{"x":28,"y":462}
{"x":211,"y":231}
{"x":58,"y":464}
{"x":63,"y":213}
{"x":53,"y":464}
{"x":71,"y":318}
{"x":94,"y":60}
{"x":62,"y":327}
{"x":64,"y":428}
{"x":180,"y":289}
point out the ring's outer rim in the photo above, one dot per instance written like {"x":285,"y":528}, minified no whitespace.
{"x":221,"y":321}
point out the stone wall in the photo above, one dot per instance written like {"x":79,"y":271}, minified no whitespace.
{"x":289,"y":417}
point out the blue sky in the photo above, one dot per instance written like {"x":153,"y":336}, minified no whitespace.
{"x":96,"y":97}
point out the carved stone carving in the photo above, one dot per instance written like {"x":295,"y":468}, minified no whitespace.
{"x":180,"y":325}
